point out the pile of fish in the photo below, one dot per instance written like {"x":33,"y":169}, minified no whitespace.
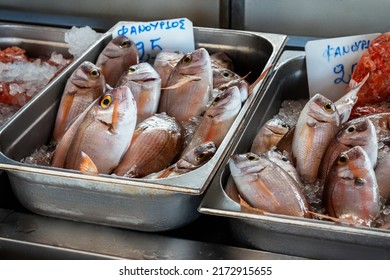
{"x":348,"y":158}
{"x":128,"y":118}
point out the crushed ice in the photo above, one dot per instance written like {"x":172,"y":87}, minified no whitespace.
{"x":79,"y":39}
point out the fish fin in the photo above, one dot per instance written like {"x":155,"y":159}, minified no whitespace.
{"x":245,"y":207}
{"x":87,"y":166}
{"x":255,"y":85}
{"x":185,"y":80}
{"x":333,"y":219}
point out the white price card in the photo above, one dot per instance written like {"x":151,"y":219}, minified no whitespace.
{"x":330,"y":63}
{"x":154,"y":36}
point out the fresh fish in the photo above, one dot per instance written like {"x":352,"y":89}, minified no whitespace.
{"x":84,"y":85}
{"x":119,"y":54}
{"x":222,"y":76}
{"x":222,"y":60}
{"x":382,"y":173}
{"x":351,"y":191}
{"x":190,"y":161}
{"x":164,"y":63}
{"x":269,"y":135}
{"x":346,"y":103}
{"x":317,"y":124}
{"x":188,"y":89}
{"x":103,"y":132}
{"x":145,"y":84}
{"x":156,"y":142}
{"x":381,"y":122}
{"x":358,"y":132}
{"x":217,"y":120}
{"x":264,"y":185}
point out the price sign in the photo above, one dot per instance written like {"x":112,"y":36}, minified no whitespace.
{"x":330,"y":63}
{"x":154,"y":36}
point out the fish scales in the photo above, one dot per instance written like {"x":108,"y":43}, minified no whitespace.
{"x":156,"y":142}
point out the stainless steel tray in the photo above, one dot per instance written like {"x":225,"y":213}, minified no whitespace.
{"x":288,"y":235}
{"x":147,"y":205}
{"x":38,"y":41}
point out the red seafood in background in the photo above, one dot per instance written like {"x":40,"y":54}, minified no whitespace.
{"x":23,"y":76}
{"x":374,"y":96}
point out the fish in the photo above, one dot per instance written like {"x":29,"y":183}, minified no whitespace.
{"x":217,"y":119}
{"x":351,"y":192}
{"x":382,"y":175}
{"x":155,"y":144}
{"x":118,"y":55}
{"x":242,"y":85}
{"x":317,"y":124}
{"x":103,"y":132}
{"x":145,"y":84}
{"x":222,"y":76}
{"x":84,"y":86}
{"x":269,"y":135}
{"x":358,"y":132}
{"x":164,"y":63}
{"x":264,"y":185}
{"x":222,"y":60}
{"x":188,"y":89}
{"x":187,"y":162}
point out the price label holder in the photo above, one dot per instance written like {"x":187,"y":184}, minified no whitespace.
{"x":154,"y":36}
{"x":330,"y":63}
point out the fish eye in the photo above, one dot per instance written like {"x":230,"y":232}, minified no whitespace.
{"x":106,"y":101}
{"x":132,"y":69}
{"x":250,"y":157}
{"x":328,"y":107}
{"x":200,"y":157}
{"x":187,"y":59}
{"x":125,"y":44}
{"x":351,"y":128}
{"x":285,"y":159}
{"x":226,"y":74}
{"x":284,"y":125}
{"x":94,"y":73}
{"x":342,"y":160}
{"x":359,"y":182}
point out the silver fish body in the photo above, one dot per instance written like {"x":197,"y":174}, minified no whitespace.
{"x":359,"y":132}
{"x":382,"y":173}
{"x":188,"y":162}
{"x":351,"y":191}
{"x":164,"y":63}
{"x":119,"y":54}
{"x":84,"y":85}
{"x":317,"y":124}
{"x":145,"y":84}
{"x":269,"y":135}
{"x":156,"y":142}
{"x":188,"y":89}
{"x":103,"y":133}
{"x":283,"y":161}
{"x":217,"y":119}
{"x":264,"y":185}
